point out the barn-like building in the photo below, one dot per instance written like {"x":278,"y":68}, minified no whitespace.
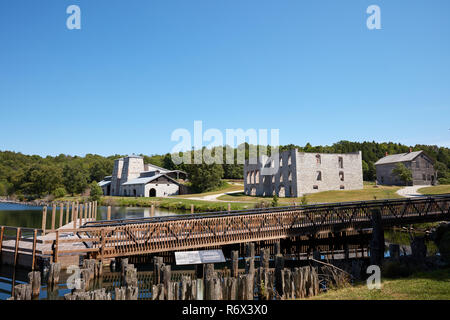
{"x":420,"y":164}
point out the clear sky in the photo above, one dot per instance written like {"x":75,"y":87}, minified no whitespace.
{"x":137,"y":70}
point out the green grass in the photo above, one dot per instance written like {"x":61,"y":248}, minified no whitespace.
{"x":433,"y":285}
{"x":369,"y":192}
{"x":435,"y":189}
{"x":228,"y":187}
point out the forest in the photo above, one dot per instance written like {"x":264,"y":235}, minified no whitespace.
{"x":34,"y":176}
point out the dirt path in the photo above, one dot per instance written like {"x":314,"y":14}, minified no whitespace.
{"x":411,"y":191}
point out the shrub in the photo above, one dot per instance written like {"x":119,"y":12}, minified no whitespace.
{"x":96,"y":191}
{"x":59,"y":192}
{"x":275,"y":201}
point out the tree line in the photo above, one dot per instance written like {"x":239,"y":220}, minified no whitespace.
{"x":35,"y":176}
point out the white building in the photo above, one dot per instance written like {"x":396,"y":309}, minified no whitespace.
{"x":131,"y":177}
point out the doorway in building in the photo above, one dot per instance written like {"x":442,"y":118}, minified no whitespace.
{"x":152,"y":192}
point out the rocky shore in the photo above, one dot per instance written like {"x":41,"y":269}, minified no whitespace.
{"x":35,"y":203}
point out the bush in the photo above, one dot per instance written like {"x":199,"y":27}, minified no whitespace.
{"x":444,"y":180}
{"x":275,"y":201}
{"x":95,"y":191}
{"x":59,"y":192}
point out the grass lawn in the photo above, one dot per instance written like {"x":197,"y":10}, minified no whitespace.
{"x":370,"y":192}
{"x":433,"y":285}
{"x":445,"y":188}
{"x":228,"y":188}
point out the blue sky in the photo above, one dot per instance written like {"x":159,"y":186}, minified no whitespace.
{"x":137,"y":70}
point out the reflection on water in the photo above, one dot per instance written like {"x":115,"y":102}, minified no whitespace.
{"x":17,"y":215}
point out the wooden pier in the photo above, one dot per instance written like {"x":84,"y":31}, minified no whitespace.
{"x":133,"y":237}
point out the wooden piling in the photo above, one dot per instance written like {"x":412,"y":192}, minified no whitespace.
{"x":67,"y":212}
{"x":61,"y":214}
{"x":2,"y":232}
{"x":80,"y":215}
{"x":16,"y":250}
{"x":74,"y":215}
{"x":192,"y":208}
{"x":33,"y":261}
{"x":108,"y":215}
{"x":53,"y":216}
{"x":234,"y":263}
{"x":90,"y":211}
{"x":34,"y":279}
{"x":152,"y":210}
{"x":55,"y":249}
{"x":85,"y":210}
{"x":229,"y":207}
{"x":44,"y":219}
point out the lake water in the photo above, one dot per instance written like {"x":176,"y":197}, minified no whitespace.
{"x":18,"y":215}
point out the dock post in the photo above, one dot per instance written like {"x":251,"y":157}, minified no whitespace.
{"x":2,"y":232}
{"x":234,"y":263}
{"x":86,"y":210}
{"x":67,"y":212}
{"x":90,"y":211}
{"x":80,"y":214}
{"x":74,"y":215}
{"x":108,"y":215}
{"x":152,"y":211}
{"x":55,"y":249}
{"x":61,"y":214}
{"x":229,"y":207}
{"x":53,"y":216}
{"x":33,"y":261}
{"x":44,"y":219}
{"x":16,"y":251}
{"x":192,"y":208}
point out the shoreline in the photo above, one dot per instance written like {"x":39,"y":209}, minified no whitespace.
{"x":33,"y":203}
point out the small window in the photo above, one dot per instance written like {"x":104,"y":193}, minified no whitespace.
{"x":315,"y":187}
{"x":318,"y":159}
{"x":382,"y":179}
{"x":341,"y":175}
{"x":281,"y":177}
{"x":424,"y":177}
{"x":290,"y":176}
{"x":427,"y":164}
{"x":342,"y":187}
{"x":281,"y":162}
{"x":429,"y":178}
{"x":417,"y":164}
{"x":319,"y":175}
{"x":341,"y":162}
{"x":289,"y":160}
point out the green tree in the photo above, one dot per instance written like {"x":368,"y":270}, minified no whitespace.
{"x":75,"y":177}
{"x":403,"y":173}
{"x":204,"y":177}
{"x":275,"y":200}
{"x":95,"y":191}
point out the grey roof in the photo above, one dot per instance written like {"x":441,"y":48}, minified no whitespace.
{"x":146,"y":180}
{"x":104,"y":183}
{"x":400,"y":157}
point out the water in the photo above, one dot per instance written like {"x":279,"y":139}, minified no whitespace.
{"x":18,"y":215}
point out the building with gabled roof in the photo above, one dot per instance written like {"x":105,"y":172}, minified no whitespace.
{"x":131,"y":177}
{"x":420,"y":164}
